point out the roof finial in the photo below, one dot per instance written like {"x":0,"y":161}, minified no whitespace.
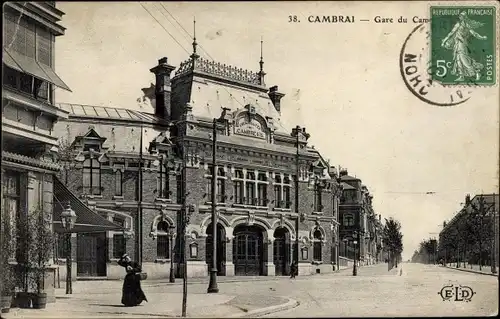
{"x":261,"y":55}
{"x":261,"y":72}
{"x":194,"y":55}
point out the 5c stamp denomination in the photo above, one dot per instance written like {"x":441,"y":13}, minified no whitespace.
{"x":463,"y":48}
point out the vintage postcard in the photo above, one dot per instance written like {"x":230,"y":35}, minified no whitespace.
{"x":250,"y":159}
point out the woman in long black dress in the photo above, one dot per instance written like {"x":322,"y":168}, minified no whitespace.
{"x":132,"y":294}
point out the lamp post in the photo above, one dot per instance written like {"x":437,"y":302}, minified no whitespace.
{"x":171,"y":233}
{"x":296,"y":195}
{"x":212,"y":285}
{"x":68,"y":219}
{"x":355,"y":268}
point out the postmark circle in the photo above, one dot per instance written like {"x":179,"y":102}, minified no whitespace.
{"x":416,"y":72}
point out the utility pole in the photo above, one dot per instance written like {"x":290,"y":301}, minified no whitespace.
{"x":138,"y":253}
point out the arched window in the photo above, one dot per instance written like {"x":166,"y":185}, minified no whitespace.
{"x":91,"y":176}
{"x":163,"y":240}
{"x":317,"y":254}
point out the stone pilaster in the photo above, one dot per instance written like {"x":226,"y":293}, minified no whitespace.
{"x":229,"y":258}
{"x":269,"y":268}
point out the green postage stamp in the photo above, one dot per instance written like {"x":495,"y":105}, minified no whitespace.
{"x":463,"y":48}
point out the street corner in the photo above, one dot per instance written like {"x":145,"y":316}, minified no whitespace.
{"x":260,"y":305}
{"x":159,"y":304}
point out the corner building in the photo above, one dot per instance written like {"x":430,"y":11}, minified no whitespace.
{"x":260,"y":230}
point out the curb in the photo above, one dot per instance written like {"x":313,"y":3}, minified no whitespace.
{"x":472,"y":271}
{"x":178,"y":281}
{"x":290,"y":304}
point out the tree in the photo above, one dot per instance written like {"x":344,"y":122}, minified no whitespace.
{"x":393,"y":240}
{"x":65,"y":158}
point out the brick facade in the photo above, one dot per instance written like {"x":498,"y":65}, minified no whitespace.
{"x":251,"y":143}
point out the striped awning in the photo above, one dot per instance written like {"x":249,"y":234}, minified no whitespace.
{"x":87,"y":221}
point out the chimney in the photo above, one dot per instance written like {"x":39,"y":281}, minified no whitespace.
{"x":467,"y":199}
{"x":380,"y":217}
{"x":163,"y":89}
{"x":275,"y":97}
{"x":343,"y":172}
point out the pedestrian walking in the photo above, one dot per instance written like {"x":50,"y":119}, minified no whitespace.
{"x":132,"y":294}
{"x":293,"y":269}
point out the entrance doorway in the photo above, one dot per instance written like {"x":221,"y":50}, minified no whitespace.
{"x":91,"y":250}
{"x":248,"y":251}
{"x":221,"y":249}
{"x":281,"y":251}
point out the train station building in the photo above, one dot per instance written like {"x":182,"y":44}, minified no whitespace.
{"x":277,"y":198}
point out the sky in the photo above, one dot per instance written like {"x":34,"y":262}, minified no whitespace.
{"x":342,"y":82}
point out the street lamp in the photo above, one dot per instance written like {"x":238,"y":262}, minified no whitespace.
{"x":212,"y":285}
{"x":171,"y":234}
{"x":68,"y":219}
{"x":355,"y":268}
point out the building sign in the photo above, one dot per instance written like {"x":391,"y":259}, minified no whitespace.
{"x":249,"y":126}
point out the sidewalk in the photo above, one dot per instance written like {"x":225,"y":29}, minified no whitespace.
{"x":486,"y":270}
{"x":102,"y":300}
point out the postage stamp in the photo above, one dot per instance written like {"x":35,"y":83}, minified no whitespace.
{"x":463,"y":48}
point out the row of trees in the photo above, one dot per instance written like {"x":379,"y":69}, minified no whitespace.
{"x":470,"y":236}
{"x":426,"y":253}
{"x":393,"y":241}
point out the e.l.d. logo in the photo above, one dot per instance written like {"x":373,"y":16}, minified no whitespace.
{"x":456,"y":293}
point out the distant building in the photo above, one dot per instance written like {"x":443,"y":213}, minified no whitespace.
{"x":260,"y":231}
{"x":360,"y":228}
